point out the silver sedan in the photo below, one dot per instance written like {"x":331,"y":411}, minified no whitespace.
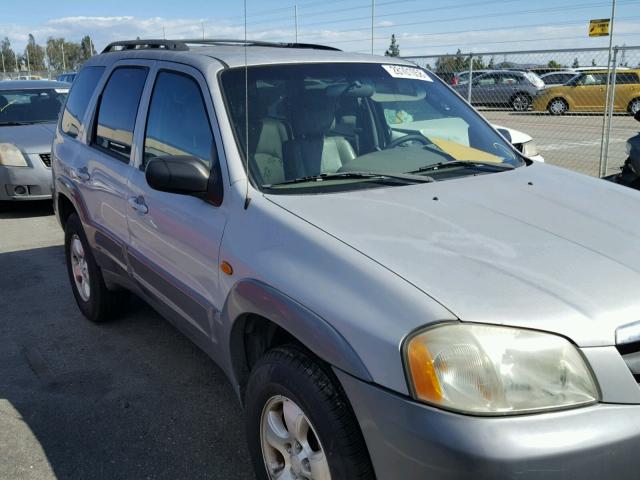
{"x":28,"y":113}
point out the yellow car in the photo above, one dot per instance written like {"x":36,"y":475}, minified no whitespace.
{"x":586,"y":92}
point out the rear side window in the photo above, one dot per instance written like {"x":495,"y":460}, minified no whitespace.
{"x":78,"y":100}
{"x":117,"y":111}
{"x":177,"y":123}
{"x":626,"y":78}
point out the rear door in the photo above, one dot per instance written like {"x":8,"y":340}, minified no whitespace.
{"x":174,"y":239}
{"x":107,"y":156}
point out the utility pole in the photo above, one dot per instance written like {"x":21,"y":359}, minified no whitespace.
{"x":203,"y":30}
{"x":4,"y":72}
{"x":603,"y":153}
{"x":90,"y":46}
{"x":15,"y":57}
{"x":28,"y":61}
{"x":373,"y":16}
{"x":295,"y":19}
{"x":64,"y":63}
{"x":164,"y":33}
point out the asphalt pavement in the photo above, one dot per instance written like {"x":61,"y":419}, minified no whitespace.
{"x":131,"y":399}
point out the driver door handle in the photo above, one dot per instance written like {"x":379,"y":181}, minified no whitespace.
{"x":137,"y":204}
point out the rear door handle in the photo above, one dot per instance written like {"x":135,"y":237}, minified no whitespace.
{"x":137,"y":204}
{"x":81,"y":174}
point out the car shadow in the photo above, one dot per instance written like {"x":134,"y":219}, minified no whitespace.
{"x":132,"y":398}
{"x":38,"y":208}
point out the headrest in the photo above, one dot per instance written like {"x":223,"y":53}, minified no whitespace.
{"x":314,"y":115}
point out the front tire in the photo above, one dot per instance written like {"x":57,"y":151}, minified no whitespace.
{"x":558,"y":106}
{"x":299,"y":421}
{"x":634,"y":106}
{"x":521,"y":102}
{"x":95,"y":300}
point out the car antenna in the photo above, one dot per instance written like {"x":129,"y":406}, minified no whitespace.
{"x":247,"y":199}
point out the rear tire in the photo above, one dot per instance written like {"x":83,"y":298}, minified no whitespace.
{"x":634,"y":106}
{"x":95,"y":300}
{"x":323,"y":442}
{"x":521,"y":102}
{"x":558,"y":106}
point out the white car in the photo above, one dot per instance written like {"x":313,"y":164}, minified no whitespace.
{"x":523,"y":142}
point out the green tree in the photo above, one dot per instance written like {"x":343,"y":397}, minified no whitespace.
{"x":452,"y":63}
{"x":65,"y":55}
{"x":394,"y":48}
{"x":575,"y":63}
{"x":554,"y":64}
{"x":33,"y":55}
{"x":8,"y":55}
{"x":86,"y":48}
{"x":492,"y":64}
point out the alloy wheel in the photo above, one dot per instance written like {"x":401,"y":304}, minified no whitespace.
{"x":80,"y":268}
{"x":557,"y":107}
{"x":520,"y":103}
{"x":291,"y":448}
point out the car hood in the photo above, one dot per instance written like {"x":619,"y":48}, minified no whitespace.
{"x":36,"y":138}
{"x":538,"y":247}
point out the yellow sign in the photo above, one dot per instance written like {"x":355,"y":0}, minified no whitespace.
{"x":599,"y":28}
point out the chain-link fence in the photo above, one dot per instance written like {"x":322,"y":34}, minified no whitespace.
{"x":576,"y":103}
{"x":31,"y":75}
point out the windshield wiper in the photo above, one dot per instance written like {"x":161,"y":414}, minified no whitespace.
{"x":499,"y":167}
{"x":351,"y":175}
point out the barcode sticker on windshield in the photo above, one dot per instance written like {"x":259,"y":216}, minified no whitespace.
{"x":398,"y":71}
{"x":61,"y":90}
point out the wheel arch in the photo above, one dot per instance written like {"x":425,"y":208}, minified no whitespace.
{"x":634,"y":99}
{"x":261,"y":317}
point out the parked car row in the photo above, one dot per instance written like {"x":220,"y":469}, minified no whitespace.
{"x":557,"y":92}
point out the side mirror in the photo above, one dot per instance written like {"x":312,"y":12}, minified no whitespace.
{"x":637,"y":115}
{"x":183,"y":175}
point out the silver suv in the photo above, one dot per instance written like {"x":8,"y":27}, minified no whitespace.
{"x":392,"y":289}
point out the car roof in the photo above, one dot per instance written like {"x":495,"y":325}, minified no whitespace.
{"x":234,"y":55}
{"x":563,"y":72}
{"x":31,"y":84}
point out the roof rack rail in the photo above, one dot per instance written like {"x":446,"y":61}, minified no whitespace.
{"x":258,"y":43}
{"x":182,"y":45}
{"x":145,"y":44}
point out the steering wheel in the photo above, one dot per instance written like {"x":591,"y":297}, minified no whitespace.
{"x":411,"y":137}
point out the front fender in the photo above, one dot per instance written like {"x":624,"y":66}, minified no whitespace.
{"x":252,"y":297}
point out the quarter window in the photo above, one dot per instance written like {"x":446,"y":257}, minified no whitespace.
{"x":117,"y":111}
{"x":78,"y":100}
{"x":177,"y":123}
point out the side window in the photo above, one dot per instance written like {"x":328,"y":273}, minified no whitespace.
{"x":117,"y":111}
{"x":177,"y":122}
{"x":626,"y":78}
{"x":486,"y":80}
{"x":78,"y":100}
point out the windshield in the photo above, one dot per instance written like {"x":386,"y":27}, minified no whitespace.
{"x":312,"y":126}
{"x":20,"y":107}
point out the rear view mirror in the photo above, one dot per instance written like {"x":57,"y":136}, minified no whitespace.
{"x":184,"y":175}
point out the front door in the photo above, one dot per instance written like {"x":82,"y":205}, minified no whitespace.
{"x":590,"y":92}
{"x":174,"y":239}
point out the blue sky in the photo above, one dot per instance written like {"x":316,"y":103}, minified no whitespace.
{"x":422,"y":27}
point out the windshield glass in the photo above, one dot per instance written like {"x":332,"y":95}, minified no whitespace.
{"x":315,"y":125}
{"x":31,"y":106}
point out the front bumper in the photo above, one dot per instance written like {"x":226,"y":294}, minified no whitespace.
{"x":409,"y":440}
{"x":35,"y":180}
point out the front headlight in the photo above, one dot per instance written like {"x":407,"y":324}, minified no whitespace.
{"x":493,"y":370}
{"x":529,"y":149}
{"x":11,"y":156}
